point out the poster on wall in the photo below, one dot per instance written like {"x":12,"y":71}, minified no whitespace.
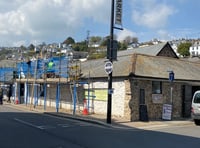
{"x":97,"y":94}
{"x":167,"y":112}
{"x":157,"y":98}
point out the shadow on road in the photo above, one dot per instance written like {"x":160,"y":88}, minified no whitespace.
{"x":23,"y":129}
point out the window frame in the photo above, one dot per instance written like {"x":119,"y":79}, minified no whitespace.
{"x":156,"y":87}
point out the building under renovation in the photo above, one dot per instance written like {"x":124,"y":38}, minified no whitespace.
{"x":142,"y":87}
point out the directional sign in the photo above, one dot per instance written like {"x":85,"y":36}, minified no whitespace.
{"x":108,"y":67}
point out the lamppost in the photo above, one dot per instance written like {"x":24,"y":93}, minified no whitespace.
{"x":109,"y":103}
{"x":110,"y":56}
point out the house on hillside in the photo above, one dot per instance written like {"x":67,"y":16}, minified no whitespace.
{"x":195,"y":49}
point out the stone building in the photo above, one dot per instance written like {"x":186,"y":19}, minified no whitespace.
{"x":141,"y":82}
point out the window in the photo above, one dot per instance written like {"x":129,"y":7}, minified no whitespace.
{"x":156,"y":87}
{"x":197,"y":98}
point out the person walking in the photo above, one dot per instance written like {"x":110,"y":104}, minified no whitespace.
{"x":1,"y":96}
{"x":9,"y":93}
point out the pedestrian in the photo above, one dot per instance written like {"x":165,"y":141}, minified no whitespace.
{"x":9,"y":93}
{"x":1,"y":96}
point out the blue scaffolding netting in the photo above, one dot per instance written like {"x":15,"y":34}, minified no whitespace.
{"x":6,"y":73}
{"x":37,"y":69}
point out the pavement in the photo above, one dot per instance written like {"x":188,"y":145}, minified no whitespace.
{"x":116,"y":122}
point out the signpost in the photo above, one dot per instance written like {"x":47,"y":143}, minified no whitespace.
{"x":108,"y":65}
{"x":168,"y":108}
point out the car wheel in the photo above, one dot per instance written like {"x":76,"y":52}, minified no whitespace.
{"x":197,"y":122}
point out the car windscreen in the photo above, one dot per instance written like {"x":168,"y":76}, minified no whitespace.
{"x":197,"y":98}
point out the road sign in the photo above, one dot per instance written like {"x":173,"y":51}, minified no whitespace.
{"x":108,"y":67}
{"x":171,"y":76}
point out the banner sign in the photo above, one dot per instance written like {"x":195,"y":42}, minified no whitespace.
{"x":118,"y":13}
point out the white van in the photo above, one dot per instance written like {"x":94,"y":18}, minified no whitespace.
{"x":195,"y":111}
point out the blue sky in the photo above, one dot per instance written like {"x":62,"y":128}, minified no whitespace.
{"x":25,"y":22}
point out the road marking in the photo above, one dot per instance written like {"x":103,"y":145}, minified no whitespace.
{"x":64,"y":125}
{"x":45,"y":127}
{"x":32,"y":125}
{"x":26,"y":123}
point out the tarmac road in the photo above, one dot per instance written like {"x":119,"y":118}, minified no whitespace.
{"x":29,"y":129}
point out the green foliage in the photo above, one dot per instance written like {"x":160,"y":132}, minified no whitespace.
{"x":31,"y":53}
{"x":183,"y":49}
{"x":122,"y":46}
{"x":80,"y":46}
{"x":95,"y":39}
{"x":69,"y":41}
{"x":97,"y":55}
{"x":23,"y":48}
{"x":31,"y":47}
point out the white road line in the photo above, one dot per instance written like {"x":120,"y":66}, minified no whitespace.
{"x":64,"y":125}
{"x":32,"y":125}
{"x":26,"y":123}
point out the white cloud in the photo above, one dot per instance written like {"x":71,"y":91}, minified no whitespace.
{"x":164,"y":35}
{"x":123,"y":34}
{"x":23,"y":21}
{"x":151,"y":13}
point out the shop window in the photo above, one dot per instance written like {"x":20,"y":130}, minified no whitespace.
{"x":156,"y":87}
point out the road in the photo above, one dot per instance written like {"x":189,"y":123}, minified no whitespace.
{"x":20,"y":129}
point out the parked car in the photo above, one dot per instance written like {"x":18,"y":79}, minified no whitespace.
{"x":195,"y":111}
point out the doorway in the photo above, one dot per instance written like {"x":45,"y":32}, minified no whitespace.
{"x":142,"y":106}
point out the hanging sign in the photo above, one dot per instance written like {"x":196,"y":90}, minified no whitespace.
{"x":118,"y":12}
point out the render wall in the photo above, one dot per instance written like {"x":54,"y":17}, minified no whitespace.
{"x":118,"y":98}
{"x":96,"y":105}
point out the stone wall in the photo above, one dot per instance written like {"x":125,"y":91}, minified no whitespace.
{"x":154,"y":109}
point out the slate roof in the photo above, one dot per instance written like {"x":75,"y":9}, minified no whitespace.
{"x":95,"y":68}
{"x":140,"y":65}
{"x":7,"y":63}
{"x":159,"y":67}
{"x":149,"y":50}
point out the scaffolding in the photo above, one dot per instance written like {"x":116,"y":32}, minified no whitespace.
{"x":33,"y":78}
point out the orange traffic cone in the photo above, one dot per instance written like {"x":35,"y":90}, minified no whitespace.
{"x":16,"y":101}
{"x":85,"y":110}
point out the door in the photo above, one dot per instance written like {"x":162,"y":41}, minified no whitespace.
{"x":142,"y":106}
{"x":186,"y":100}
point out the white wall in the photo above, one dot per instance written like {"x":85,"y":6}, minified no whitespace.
{"x":118,"y":97}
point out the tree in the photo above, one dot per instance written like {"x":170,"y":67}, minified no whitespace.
{"x":23,"y":48}
{"x":69,"y":41}
{"x":122,"y":46}
{"x":95,"y":39}
{"x":134,"y":40}
{"x":31,"y":47}
{"x":183,"y":49}
{"x":129,"y":39}
{"x":80,"y":46}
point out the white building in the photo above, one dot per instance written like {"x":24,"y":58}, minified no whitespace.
{"x":195,"y":49}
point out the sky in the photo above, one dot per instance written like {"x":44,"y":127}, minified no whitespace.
{"x":25,"y":22}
